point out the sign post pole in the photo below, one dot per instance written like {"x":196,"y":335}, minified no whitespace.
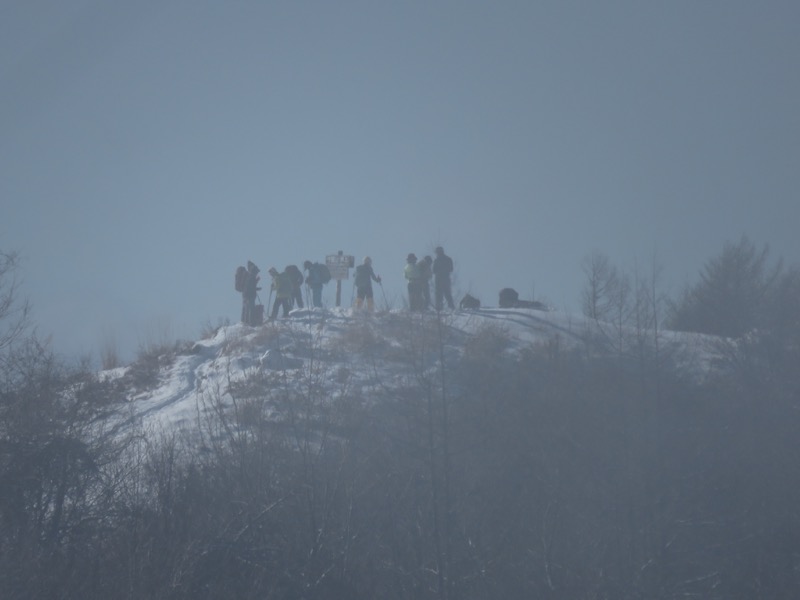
{"x":339,"y":265}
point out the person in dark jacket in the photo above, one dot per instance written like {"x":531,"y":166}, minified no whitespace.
{"x":425,"y":275}
{"x":318,"y":275}
{"x":363,"y":281}
{"x":249,"y":294}
{"x":296,"y":277}
{"x":442,"y":268}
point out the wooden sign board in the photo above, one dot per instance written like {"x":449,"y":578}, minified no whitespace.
{"x":339,"y":265}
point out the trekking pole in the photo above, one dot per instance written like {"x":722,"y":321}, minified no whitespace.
{"x":385,"y":301}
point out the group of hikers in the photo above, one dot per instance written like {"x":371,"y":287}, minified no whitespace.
{"x":287,"y":285}
{"x":419,"y":273}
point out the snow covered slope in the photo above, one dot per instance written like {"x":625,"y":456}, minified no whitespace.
{"x":341,"y":352}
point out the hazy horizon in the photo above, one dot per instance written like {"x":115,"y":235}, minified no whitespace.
{"x":150,"y":148}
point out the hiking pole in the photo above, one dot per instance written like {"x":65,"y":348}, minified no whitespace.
{"x":385,"y":301}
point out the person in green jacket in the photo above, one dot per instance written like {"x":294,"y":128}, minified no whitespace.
{"x":282,"y":286}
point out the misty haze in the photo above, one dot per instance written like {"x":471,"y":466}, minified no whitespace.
{"x":356,"y":300}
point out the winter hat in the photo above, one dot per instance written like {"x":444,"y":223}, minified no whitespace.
{"x":367,"y":260}
{"x":411,"y":257}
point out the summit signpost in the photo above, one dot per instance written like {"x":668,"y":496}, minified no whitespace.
{"x":339,"y":265}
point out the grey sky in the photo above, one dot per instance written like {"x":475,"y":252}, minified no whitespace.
{"x":147,"y":148}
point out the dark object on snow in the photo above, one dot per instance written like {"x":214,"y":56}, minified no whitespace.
{"x":469,"y":302}
{"x":509,"y":298}
{"x":530,"y":304}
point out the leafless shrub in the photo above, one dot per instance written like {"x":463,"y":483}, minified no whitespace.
{"x":360,"y":338}
{"x":264,"y":336}
{"x":150,"y":362}
{"x":209,"y":330}
{"x":109,"y":352}
{"x":156,"y":335}
{"x":14,"y":311}
{"x":487,"y":343}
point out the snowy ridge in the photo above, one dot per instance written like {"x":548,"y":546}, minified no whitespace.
{"x":340,"y":351}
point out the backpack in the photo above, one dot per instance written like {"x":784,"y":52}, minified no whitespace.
{"x":362,"y":278}
{"x":241,"y":279}
{"x":508,"y":298}
{"x":295,"y":275}
{"x":258,"y":315}
{"x":469,"y":302}
{"x":324,"y":273}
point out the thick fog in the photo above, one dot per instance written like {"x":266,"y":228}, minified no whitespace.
{"x":149,"y":148}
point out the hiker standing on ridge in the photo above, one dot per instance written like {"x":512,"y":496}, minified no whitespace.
{"x":318,"y":275}
{"x":296,"y":277}
{"x":282,"y":286}
{"x":425,"y":275}
{"x":363,"y":281}
{"x":442,"y":267}
{"x":249,"y":293}
{"x":413,"y":276}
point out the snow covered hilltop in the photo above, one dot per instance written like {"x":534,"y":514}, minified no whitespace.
{"x":346,"y":352}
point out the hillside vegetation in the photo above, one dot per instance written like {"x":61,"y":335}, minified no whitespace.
{"x":489,"y":454}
